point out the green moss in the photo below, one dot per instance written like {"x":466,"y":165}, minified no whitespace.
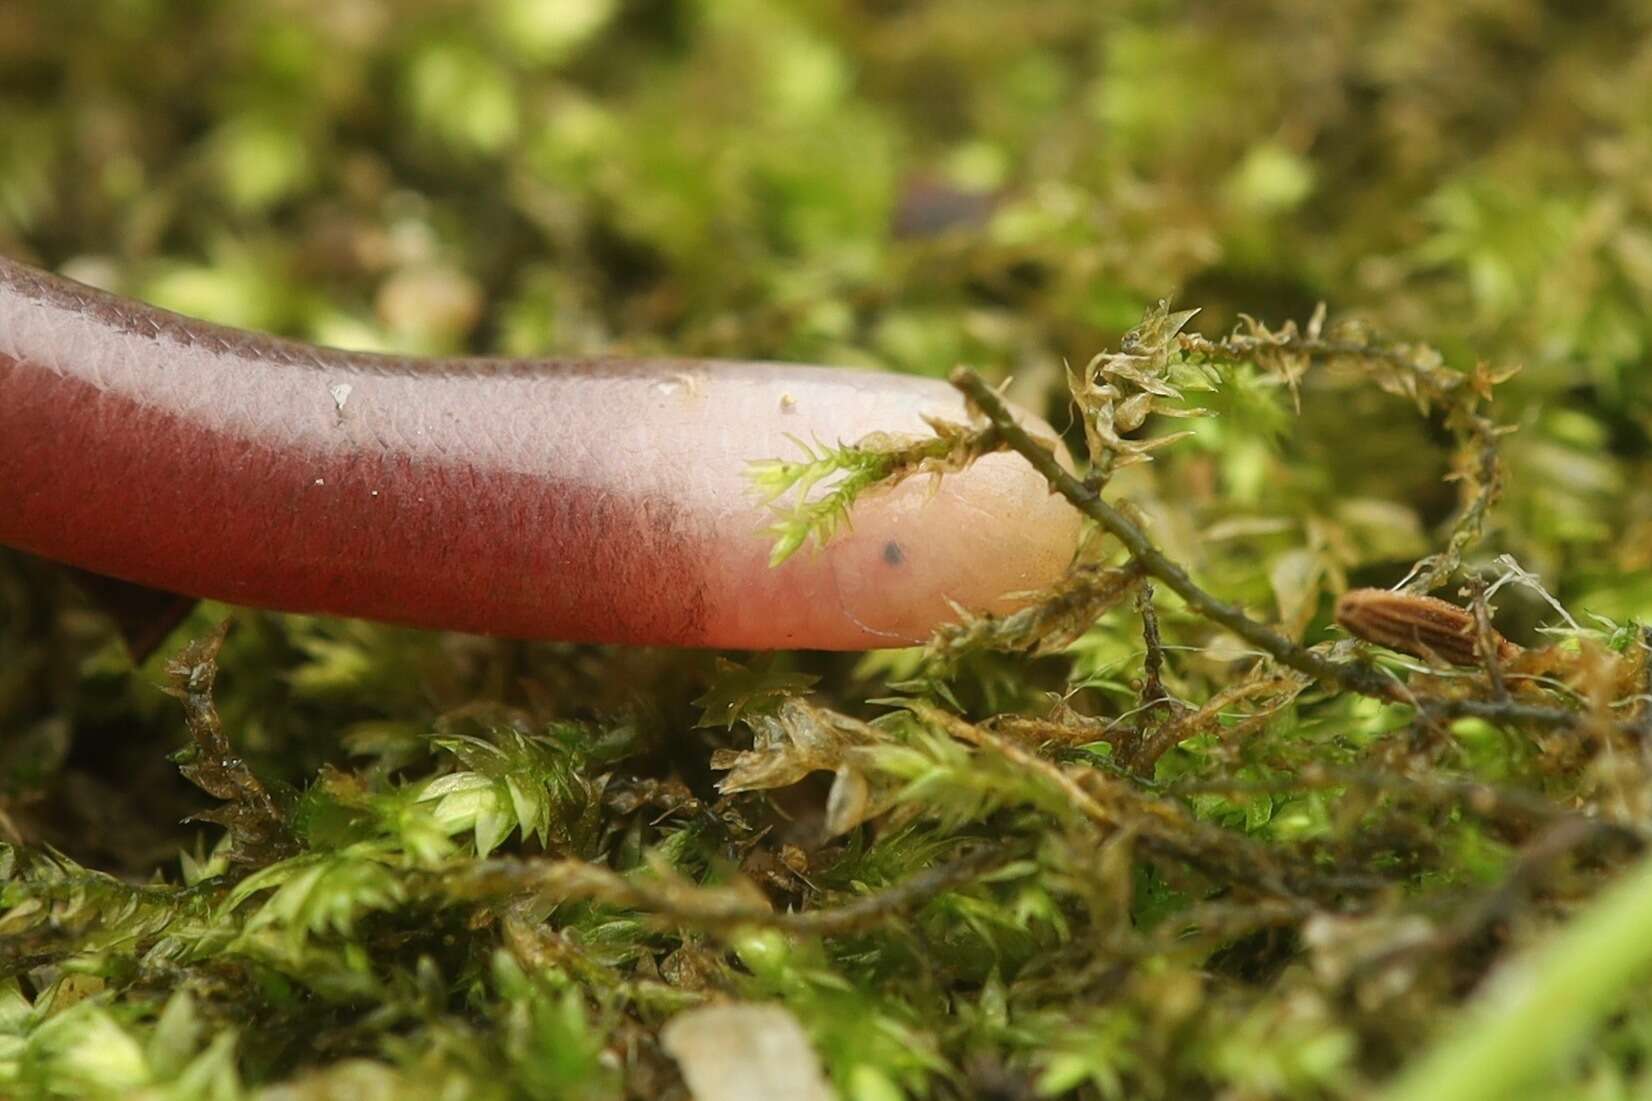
{"x":1100,"y":849}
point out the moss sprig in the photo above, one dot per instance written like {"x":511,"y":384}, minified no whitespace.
{"x":827,"y":481}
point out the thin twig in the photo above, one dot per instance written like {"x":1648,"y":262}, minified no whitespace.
{"x":1241,"y":347}
{"x":1487,"y":801}
{"x":1157,"y":708}
{"x":726,"y":907}
{"x":1156,"y":562}
{"x":1153,"y":694}
{"x":1191,"y":724}
{"x":1352,"y":676}
{"x":1486,"y":640}
{"x":1420,"y":375}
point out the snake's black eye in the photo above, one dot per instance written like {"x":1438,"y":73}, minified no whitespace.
{"x":893,"y":554}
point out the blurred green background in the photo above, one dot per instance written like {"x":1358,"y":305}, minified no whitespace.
{"x":906,"y":184}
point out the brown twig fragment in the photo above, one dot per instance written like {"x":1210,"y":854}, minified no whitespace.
{"x":726,"y":907}
{"x":1489,"y":645}
{"x":1153,"y":693}
{"x":1423,"y":626}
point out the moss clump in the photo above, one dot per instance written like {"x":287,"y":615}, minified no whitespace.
{"x":1169,"y":833}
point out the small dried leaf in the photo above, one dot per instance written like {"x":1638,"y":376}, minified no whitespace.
{"x":788,"y":745}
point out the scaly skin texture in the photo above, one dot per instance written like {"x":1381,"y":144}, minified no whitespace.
{"x":584,"y":500}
